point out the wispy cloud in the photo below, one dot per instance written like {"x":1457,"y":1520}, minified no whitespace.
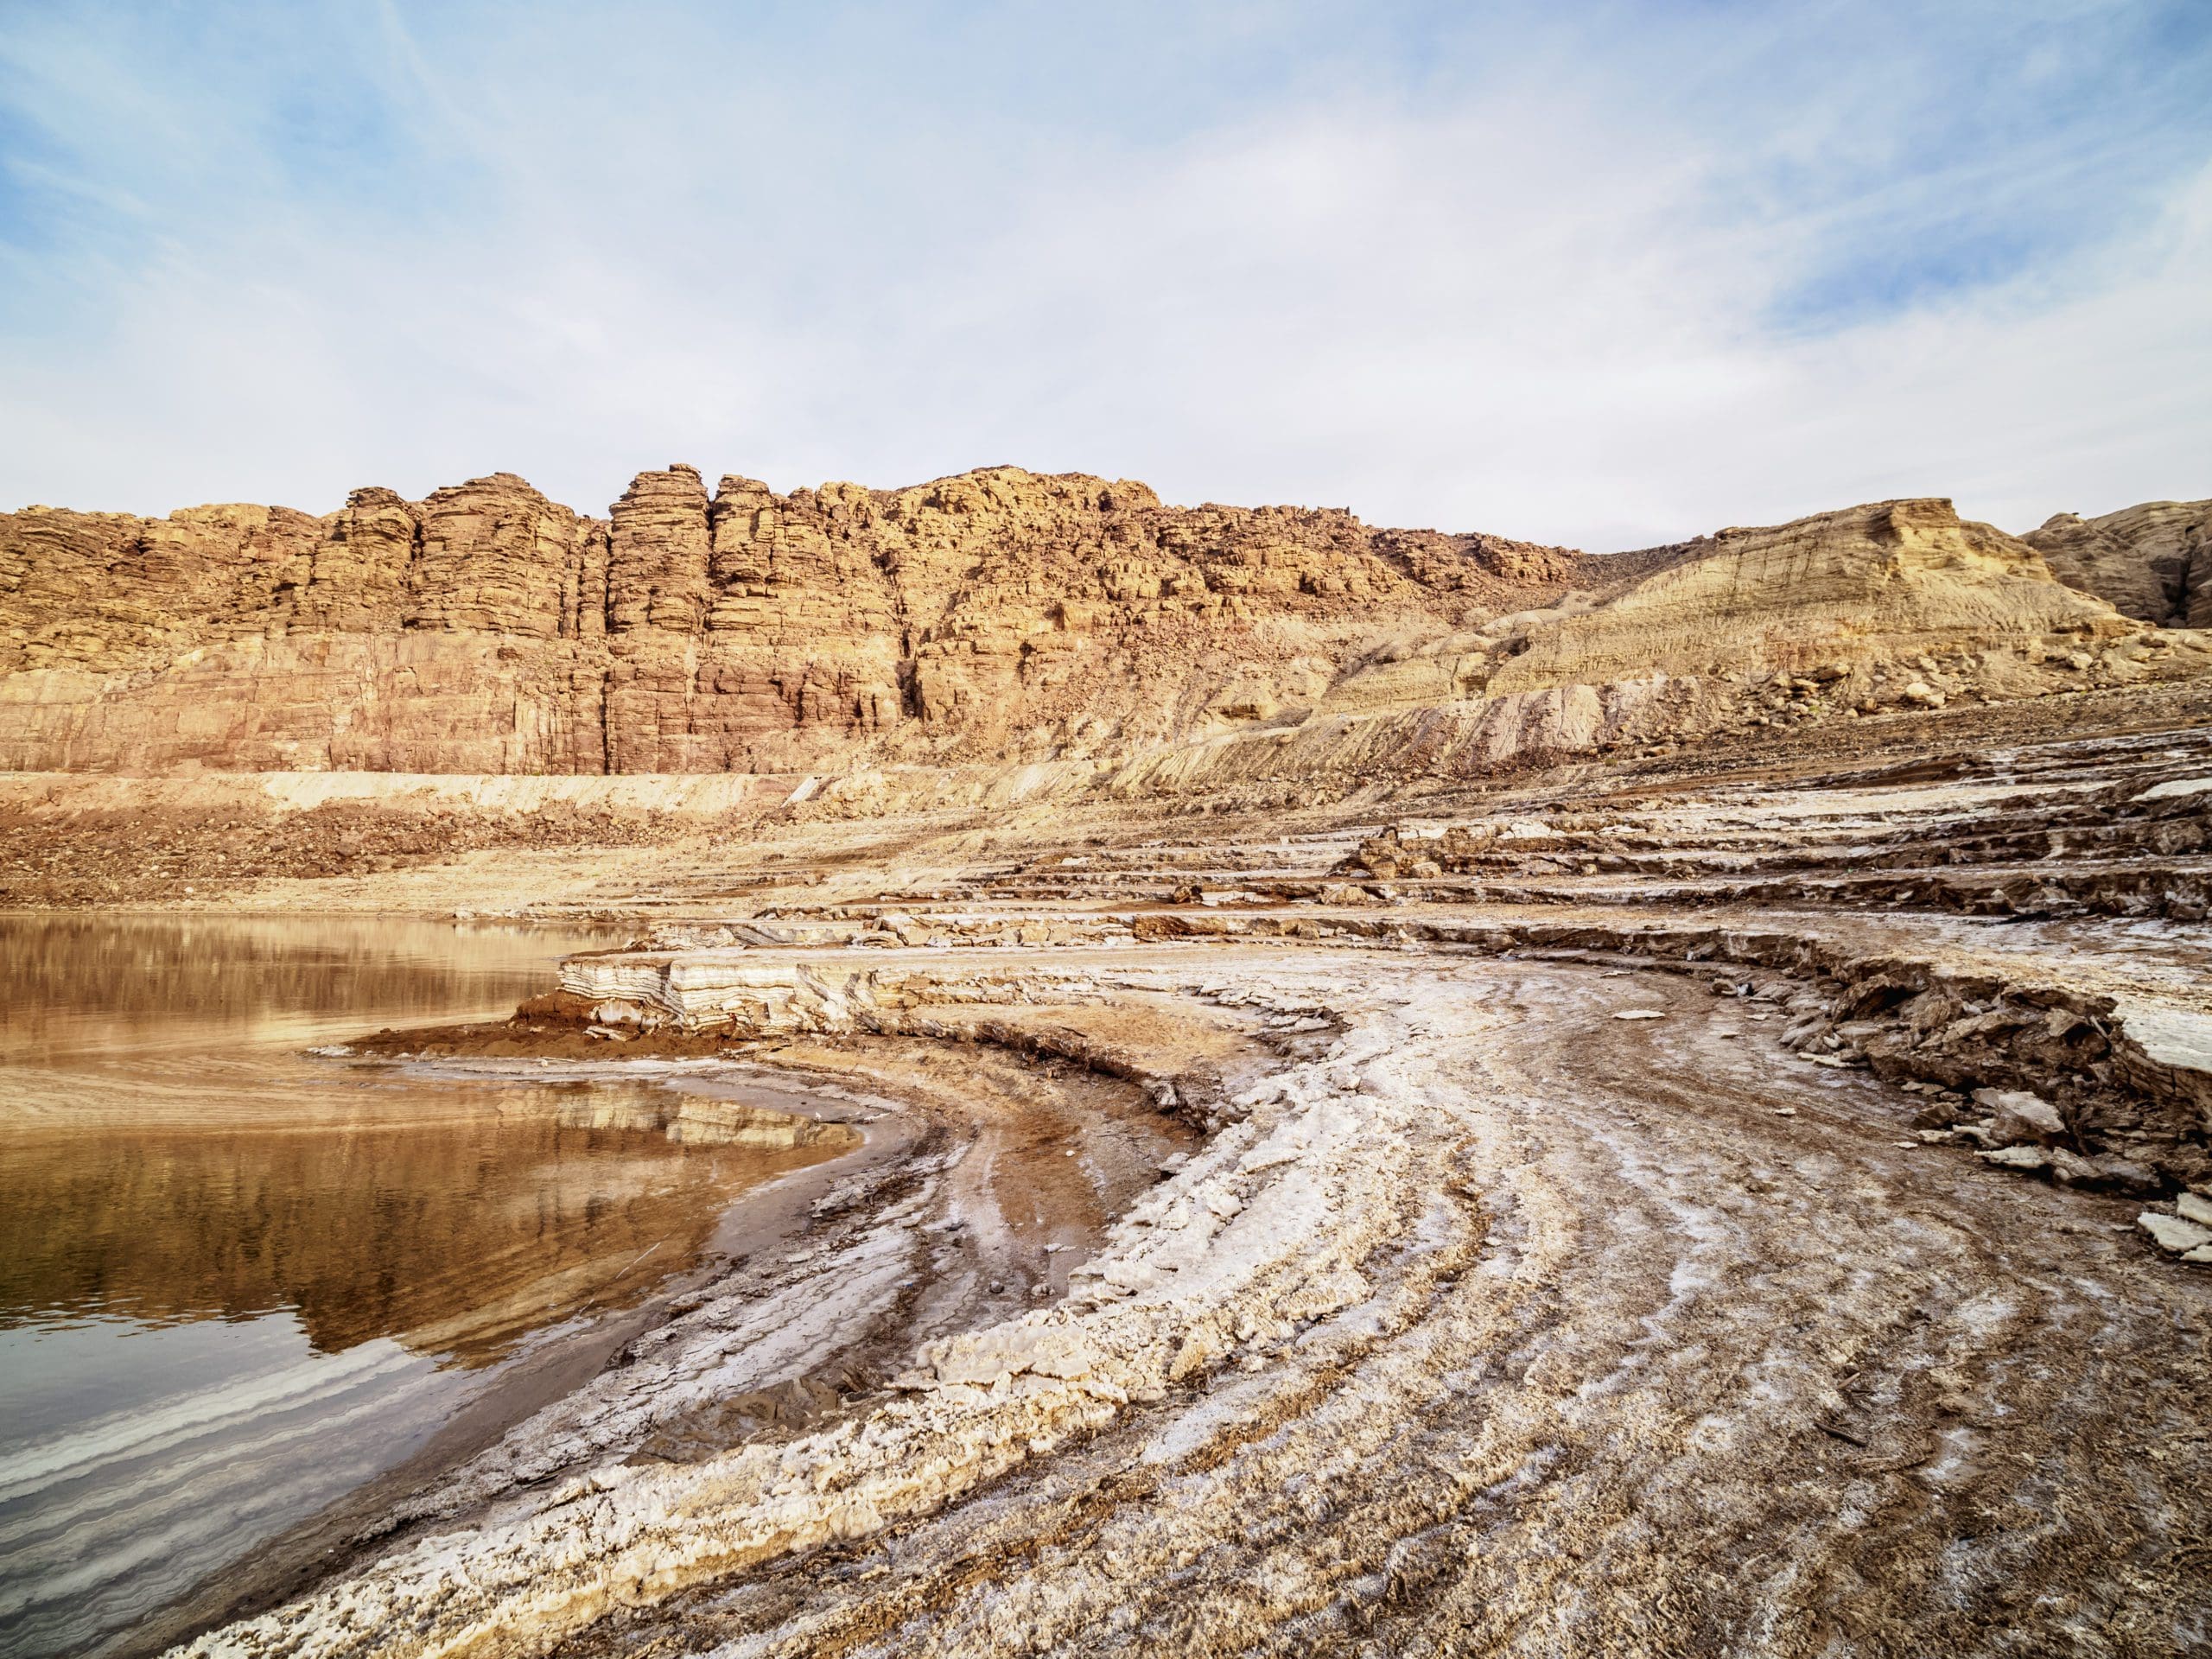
{"x":1605,"y":274}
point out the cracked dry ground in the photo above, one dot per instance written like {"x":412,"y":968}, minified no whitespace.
{"x":1488,"y":1320}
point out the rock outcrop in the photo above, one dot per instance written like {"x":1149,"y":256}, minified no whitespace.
{"x":2152,"y":561}
{"x":997,"y":617}
{"x":488,"y":629}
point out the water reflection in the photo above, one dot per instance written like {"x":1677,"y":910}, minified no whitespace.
{"x":237,"y":1279}
{"x":456,"y":1235}
{"x":89,"y":986}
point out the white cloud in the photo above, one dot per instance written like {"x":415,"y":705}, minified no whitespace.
{"x":1525,"y":314}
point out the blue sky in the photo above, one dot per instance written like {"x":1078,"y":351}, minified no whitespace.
{"x":1605,"y":274}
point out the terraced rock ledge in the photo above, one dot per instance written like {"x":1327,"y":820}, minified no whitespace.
{"x":1590,"y":1247}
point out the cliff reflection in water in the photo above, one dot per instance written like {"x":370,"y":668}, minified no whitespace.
{"x":68,"y":974}
{"x":167,"y":1152}
{"x":455,"y":1236}
{"x":239,"y":1278}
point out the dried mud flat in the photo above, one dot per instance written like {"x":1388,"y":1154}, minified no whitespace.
{"x":1704,"y":1212}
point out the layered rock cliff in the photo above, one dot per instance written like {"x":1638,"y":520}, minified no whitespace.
{"x":2153,"y":562}
{"x":487,"y":629}
{"x":996,"y":616}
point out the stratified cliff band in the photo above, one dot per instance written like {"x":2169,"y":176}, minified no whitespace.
{"x":1003,"y":616}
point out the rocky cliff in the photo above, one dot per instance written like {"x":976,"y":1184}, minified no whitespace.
{"x":996,"y":616}
{"x":2153,"y":562}
{"x":487,"y":629}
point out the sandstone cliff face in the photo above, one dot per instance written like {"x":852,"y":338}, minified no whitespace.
{"x":488,"y":629}
{"x":2152,"y":561}
{"x":1897,"y":578}
{"x":996,"y":616}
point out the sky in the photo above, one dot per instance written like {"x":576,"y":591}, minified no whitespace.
{"x":1607,"y":275}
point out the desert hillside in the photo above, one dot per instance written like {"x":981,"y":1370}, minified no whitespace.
{"x":1035,"y":1062}
{"x":1002,"y":617}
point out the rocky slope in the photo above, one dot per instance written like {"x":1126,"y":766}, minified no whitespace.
{"x":1004,"y":616}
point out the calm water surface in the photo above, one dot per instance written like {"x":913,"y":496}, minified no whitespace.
{"x":238,"y":1280}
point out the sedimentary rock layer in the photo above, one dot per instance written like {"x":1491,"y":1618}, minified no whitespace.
{"x":2153,"y":562}
{"x":1002,"y":616}
{"x":489,"y":629}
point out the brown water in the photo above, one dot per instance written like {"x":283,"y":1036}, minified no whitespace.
{"x":239,"y":1278}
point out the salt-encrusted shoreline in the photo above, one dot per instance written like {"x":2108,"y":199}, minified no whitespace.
{"x":1576,"y":1261}
{"x":811,"y":1290}
{"x":1377,"y":1218}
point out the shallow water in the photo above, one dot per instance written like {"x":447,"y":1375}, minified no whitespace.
{"x":237,"y":1279}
